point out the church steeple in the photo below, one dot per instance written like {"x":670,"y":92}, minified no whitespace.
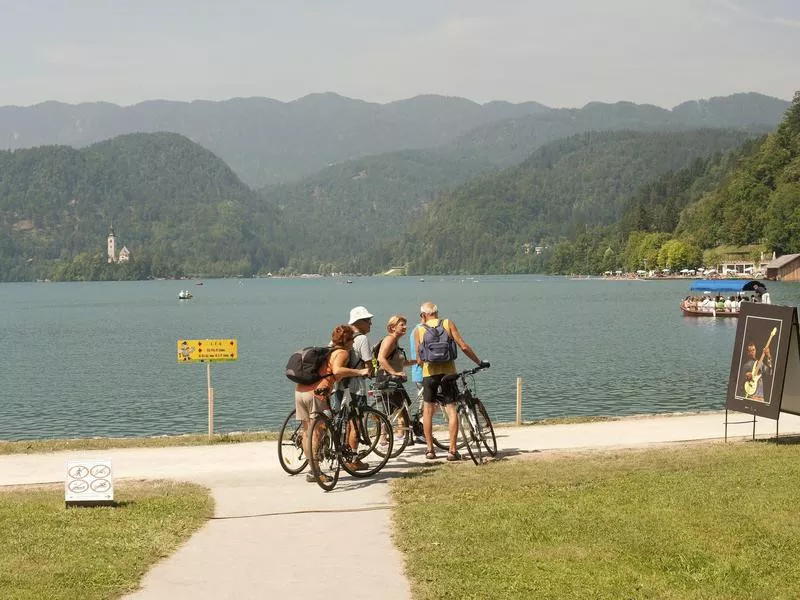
{"x":112,"y":245}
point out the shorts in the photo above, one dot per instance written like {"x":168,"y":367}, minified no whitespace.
{"x":430,"y":390}
{"x":308,"y":404}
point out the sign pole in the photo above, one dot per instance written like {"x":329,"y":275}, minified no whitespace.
{"x":208,"y":351}
{"x":210,"y":401}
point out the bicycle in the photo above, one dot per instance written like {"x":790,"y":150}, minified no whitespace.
{"x":403,"y":421}
{"x":381,"y":394}
{"x":330,"y":447}
{"x":291,"y":454}
{"x":474,"y":423}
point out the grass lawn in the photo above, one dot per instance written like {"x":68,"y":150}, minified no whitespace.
{"x":162,"y":441}
{"x":50,"y":552}
{"x":699,"y":521}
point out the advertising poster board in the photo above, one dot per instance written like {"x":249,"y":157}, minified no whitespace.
{"x":763,"y":356}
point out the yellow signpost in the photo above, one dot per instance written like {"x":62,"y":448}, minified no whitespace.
{"x":208,"y":351}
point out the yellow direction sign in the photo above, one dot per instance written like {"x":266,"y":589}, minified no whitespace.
{"x":207,"y":350}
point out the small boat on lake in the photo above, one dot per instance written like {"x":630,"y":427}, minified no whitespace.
{"x":711,"y":288}
{"x":184,"y":295}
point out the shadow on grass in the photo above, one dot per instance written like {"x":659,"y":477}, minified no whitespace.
{"x":783,"y":440}
{"x":511,"y":452}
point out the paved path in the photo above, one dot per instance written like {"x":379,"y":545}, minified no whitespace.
{"x":269,"y":527}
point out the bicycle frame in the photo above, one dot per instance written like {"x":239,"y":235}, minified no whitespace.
{"x":471,"y":412}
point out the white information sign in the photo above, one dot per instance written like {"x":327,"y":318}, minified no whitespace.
{"x":89,"y":481}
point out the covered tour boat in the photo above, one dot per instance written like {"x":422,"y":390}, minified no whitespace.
{"x":743,"y":289}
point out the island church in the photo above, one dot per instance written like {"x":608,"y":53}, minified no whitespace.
{"x":124,"y":254}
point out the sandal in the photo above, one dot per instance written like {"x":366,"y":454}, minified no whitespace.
{"x":430,"y":455}
{"x":453,"y":456}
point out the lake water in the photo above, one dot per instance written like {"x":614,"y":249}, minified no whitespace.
{"x":99,"y":359}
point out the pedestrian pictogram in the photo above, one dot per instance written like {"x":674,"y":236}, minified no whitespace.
{"x":89,"y":482}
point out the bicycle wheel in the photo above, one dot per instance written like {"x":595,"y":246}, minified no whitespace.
{"x":400,"y":422}
{"x":468,"y":424}
{"x":369,"y":427}
{"x":485,"y":428}
{"x":291,"y":454}
{"x":441,"y":431}
{"x":324,"y":456}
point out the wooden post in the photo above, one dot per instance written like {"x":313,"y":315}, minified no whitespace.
{"x":210,"y":401}
{"x":519,"y":400}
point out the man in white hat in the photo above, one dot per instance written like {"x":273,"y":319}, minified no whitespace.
{"x":361,"y":322}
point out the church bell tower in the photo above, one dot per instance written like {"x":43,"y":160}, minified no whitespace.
{"x":112,"y":245}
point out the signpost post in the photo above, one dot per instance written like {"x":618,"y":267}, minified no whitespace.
{"x":208,"y":351}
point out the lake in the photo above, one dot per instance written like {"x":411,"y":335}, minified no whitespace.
{"x":99,"y":359}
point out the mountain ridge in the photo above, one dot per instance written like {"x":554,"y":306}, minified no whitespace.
{"x":269,"y":141}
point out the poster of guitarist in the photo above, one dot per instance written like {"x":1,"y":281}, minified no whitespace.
{"x":755,"y":376}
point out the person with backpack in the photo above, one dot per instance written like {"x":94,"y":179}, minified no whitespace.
{"x":313,"y":398}
{"x":437,"y":342}
{"x":392,"y":361}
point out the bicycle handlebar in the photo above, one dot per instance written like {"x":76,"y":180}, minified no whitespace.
{"x":462,"y":374}
{"x":393,"y":381}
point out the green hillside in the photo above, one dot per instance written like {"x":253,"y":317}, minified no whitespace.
{"x":745,"y":201}
{"x":564,"y":189}
{"x":761,"y":202}
{"x":177,"y":207}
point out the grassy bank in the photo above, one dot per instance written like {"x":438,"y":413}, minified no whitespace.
{"x":164,"y":441}
{"x":38,"y":446}
{"x":703,"y":521}
{"x":52,"y":552}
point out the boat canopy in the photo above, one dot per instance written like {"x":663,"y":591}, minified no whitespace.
{"x":727,"y":285}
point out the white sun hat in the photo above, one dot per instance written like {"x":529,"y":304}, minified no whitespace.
{"x":358,"y":313}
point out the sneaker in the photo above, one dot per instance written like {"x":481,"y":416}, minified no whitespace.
{"x":358,"y":466}
{"x":419,"y":439}
{"x":383,"y":443}
{"x":322,"y":477}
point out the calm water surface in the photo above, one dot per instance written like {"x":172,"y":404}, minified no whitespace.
{"x":98,"y":359}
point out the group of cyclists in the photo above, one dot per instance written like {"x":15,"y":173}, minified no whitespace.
{"x":353,"y":364}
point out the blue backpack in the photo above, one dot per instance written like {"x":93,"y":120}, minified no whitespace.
{"x":437,"y":346}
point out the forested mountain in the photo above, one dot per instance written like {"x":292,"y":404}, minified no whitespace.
{"x":745,"y":201}
{"x":563,"y":189}
{"x":594,"y":201}
{"x":510,"y":142}
{"x":347,"y":210}
{"x":266,"y":141}
{"x":761,"y":201}
{"x":177,"y":207}
{"x":402,"y":182}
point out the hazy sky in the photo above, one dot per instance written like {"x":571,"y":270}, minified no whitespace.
{"x":557,"y":52}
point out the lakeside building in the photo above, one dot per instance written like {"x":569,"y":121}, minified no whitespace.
{"x":784,"y":268}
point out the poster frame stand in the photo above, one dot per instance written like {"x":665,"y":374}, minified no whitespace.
{"x":780,"y":389}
